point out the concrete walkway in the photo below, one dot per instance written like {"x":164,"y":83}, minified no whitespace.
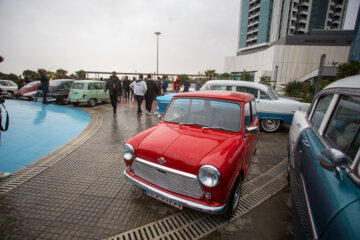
{"x":78,"y":191}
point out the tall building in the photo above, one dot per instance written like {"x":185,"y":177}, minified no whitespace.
{"x":265,"y":21}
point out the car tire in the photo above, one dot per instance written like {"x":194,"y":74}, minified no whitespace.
{"x":270,"y":125}
{"x":75,"y":104}
{"x":92,"y":102}
{"x":234,"y":198}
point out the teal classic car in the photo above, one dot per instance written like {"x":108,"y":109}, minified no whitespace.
{"x":324,"y":164}
{"x":87,"y":91}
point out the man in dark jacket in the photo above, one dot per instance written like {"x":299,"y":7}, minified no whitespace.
{"x":44,"y":84}
{"x":150,"y":94}
{"x":187,"y":85}
{"x":126,"y":84}
{"x":164,"y":85}
{"x":113,"y":84}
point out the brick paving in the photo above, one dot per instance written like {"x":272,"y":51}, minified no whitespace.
{"x":84,"y":194}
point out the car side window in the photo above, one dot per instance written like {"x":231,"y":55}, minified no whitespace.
{"x":343,"y":128}
{"x":97,"y":86}
{"x":221,"y":87}
{"x":320,"y":110}
{"x":65,"y":86}
{"x":102,"y":85}
{"x":264,"y":95}
{"x":252,"y":91}
{"x":247,"y":117}
{"x":91,"y":86}
{"x":3,"y":83}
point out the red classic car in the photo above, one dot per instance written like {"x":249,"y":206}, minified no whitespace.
{"x":28,"y":91}
{"x":199,"y":153}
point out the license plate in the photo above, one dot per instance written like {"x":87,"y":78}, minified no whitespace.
{"x":168,"y":201}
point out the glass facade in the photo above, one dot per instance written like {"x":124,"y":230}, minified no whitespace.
{"x":318,"y":14}
{"x":244,"y":23}
{"x":355,"y":46}
{"x":265,"y":21}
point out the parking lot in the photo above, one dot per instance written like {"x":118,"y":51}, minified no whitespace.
{"x":78,"y":192}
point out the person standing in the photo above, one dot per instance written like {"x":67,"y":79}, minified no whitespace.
{"x":164,"y":85}
{"x":197,"y":85}
{"x":113,"y":84}
{"x":140,"y":88}
{"x":177,"y":85}
{"x":127,"y":87}
{"x":158,"y":86}
{"x":44,"y":84}
{"x":150,"y":94}
{"x":187,"y":85}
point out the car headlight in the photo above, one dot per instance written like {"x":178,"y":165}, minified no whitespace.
{"x":209,"y":176}
{"x":128,"y":152}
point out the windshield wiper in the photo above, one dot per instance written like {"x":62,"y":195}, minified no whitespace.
{"x":193,"y":124}
{"x":216,"y":128}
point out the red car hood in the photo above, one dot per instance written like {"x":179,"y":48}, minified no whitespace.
{"x":181,"y":147}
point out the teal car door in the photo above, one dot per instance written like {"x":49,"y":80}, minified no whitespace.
{"x":322,"y":194}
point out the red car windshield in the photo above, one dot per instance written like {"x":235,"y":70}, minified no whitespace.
{"x":205,"y":113}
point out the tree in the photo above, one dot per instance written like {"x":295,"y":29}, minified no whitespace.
{"x":80,"y":74}
{"x":210,"y":73}
{"x":225,"y":76}
{"x":246,"y":77}
{"x":30,"y":75}
{"x":265,"y":79}
{"x":10,"y":76}
{"x":348,"y":69}
{"x":61,"y":73}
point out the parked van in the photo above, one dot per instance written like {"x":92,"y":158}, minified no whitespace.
{"x":87,"y":91}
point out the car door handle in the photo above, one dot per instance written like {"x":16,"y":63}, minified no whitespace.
{"x":306,"y":143}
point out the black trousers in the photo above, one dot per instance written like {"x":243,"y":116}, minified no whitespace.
{"x":113,"y":100}
{"x":139,"y":100}
{"x":45,"y":92}
{"x":127,"y":93}
{"x":149,"y":101}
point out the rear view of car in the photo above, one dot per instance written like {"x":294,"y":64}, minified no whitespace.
{"x":28,"y":91}
{"x":324,"y":164}
{"x":87,"y":91}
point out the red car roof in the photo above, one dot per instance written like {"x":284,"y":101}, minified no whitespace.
{"x":217,"y":94}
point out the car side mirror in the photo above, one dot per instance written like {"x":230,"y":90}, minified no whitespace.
{"x":331,"y":158}
{"x":251,"y":130}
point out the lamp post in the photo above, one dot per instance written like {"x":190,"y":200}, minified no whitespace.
{"x":157,"y":52}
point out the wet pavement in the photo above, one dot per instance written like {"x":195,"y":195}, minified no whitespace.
{"x":84,"y":196}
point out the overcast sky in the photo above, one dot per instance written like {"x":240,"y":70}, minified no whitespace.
{"x":107,"y":35}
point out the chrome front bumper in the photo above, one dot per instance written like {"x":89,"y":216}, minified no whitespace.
{"x":186,"y":203}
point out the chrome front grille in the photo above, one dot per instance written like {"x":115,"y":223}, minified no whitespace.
{"x":167,"y":178}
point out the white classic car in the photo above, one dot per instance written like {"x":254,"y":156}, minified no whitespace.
{"x":272,"y":109}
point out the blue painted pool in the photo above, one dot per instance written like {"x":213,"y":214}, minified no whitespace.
{"x":36,"y":130}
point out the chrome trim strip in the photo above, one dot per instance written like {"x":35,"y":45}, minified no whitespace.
{"x":313,"y":228}
{"x":189,"y":175}
{"x":193,"y":205}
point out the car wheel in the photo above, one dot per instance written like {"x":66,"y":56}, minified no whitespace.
{"x":75,"y":104}
{"x":234,"y":198}
{"x":270,"y":125}
{"x":92,"y":102}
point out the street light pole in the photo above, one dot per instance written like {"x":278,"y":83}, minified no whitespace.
{"x":157,"y":52}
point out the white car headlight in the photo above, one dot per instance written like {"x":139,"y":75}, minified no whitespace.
{"x":128,"y":152}
{"x":209,"y":176}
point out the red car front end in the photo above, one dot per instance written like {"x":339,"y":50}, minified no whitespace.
{"x":194,"y":158}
